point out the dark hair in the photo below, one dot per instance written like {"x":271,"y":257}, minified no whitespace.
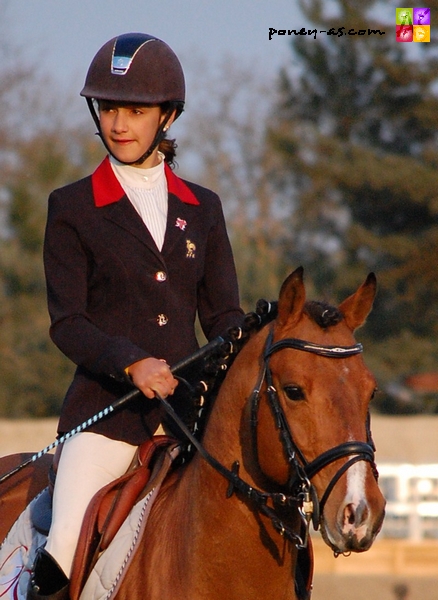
{"x":168,"y":148}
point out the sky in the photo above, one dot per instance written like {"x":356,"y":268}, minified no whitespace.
{"x":61,"y":37}
{"x":64,"y":35}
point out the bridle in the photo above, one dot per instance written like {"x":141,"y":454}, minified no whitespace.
{"x":301,"y":493}
{"x":301,"y":470}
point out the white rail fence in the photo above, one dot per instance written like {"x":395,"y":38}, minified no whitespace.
{"x":411,"y":492}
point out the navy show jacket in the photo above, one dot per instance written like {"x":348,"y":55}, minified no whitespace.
{"x":114,"y":298}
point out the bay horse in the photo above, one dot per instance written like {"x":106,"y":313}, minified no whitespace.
{"x":293,"y":407}
{"x":287,"y":443}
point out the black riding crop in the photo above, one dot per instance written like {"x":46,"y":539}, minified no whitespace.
{"x":203,"y":352}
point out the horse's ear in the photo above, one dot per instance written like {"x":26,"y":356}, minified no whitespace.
{"x":292,"y":298}
{"x":357,"y":307}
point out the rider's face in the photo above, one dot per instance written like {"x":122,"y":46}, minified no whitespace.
{"x":129,"y":129}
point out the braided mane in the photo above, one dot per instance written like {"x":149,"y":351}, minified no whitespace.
{"x":209,"y":375}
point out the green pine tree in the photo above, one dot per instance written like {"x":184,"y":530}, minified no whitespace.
{"x":357,"y":130}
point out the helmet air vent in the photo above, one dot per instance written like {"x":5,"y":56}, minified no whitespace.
{"x":125,"y":48}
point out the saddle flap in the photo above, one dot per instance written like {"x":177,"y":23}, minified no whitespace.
{"x":115,"y":502}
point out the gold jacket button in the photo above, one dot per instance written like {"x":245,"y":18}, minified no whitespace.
{"x":162,"y":320}
{"x":160,"y":276}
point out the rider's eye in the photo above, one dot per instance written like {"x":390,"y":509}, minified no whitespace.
{"x":294,"y":392}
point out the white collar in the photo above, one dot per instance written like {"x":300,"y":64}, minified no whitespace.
{"x":136,"y":177}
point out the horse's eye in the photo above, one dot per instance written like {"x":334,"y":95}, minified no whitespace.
{"x":294,"y":392}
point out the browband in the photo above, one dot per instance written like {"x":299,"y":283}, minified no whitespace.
{"x":329,"y":351}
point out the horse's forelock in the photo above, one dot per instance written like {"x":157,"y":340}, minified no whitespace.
{"x":323,"y":313}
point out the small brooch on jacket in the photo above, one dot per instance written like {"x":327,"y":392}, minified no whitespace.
{"x":181,"y":224}
{"x":191,"y":249}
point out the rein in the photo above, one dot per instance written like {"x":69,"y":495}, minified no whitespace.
{"x":236,"y":483}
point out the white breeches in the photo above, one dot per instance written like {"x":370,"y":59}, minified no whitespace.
{"x":88,"y":462}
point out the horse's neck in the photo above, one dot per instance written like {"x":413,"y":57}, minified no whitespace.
{"x":229,"y":419}
{"x":226,"y":536}
{"x":224,"y":547}
{"x":216,"y":546}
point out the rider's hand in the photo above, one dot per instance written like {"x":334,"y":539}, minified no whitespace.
{"x":152,"y":376}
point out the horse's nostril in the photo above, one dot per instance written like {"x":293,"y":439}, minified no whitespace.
{"x":356,"y":515}
{"x":349,"y":514}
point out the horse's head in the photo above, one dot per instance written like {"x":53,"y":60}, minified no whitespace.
{"x":315,"y":424}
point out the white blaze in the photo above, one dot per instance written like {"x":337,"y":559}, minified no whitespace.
{"x":356,"y":483}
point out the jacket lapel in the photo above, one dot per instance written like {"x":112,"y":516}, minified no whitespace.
{"x":180,"y":219}
{"x":181,"y":210}
{"x":123,"y":214}
{"x":111,"y":198}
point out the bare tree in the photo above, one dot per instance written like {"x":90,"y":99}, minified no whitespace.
{"x":226,"y":148}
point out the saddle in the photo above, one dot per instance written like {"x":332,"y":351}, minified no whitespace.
{"x":109,"y":507}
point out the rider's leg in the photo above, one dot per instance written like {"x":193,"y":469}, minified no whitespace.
{"x":88,"y":462}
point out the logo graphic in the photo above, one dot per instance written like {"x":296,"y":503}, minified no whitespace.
{"x":412,"y":24}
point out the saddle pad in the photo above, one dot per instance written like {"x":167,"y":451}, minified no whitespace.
{"x":17,"y":554}
{"x":110,"y":569}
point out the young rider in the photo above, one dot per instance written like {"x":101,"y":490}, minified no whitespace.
{"x":132,"y":254}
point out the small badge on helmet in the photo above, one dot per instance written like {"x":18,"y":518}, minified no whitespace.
{"x":120,"y":64}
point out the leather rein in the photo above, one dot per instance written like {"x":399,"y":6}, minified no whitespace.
{"x":302,"y":493}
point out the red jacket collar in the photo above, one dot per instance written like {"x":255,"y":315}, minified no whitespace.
{"x":107,"y":189}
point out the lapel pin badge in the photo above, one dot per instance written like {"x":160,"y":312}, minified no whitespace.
{"x":181,"y":224}
{"x":191,"y":249}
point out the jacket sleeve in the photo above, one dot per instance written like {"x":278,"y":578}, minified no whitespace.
{"x":218,"y":293}
{"x":67,"y":265}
